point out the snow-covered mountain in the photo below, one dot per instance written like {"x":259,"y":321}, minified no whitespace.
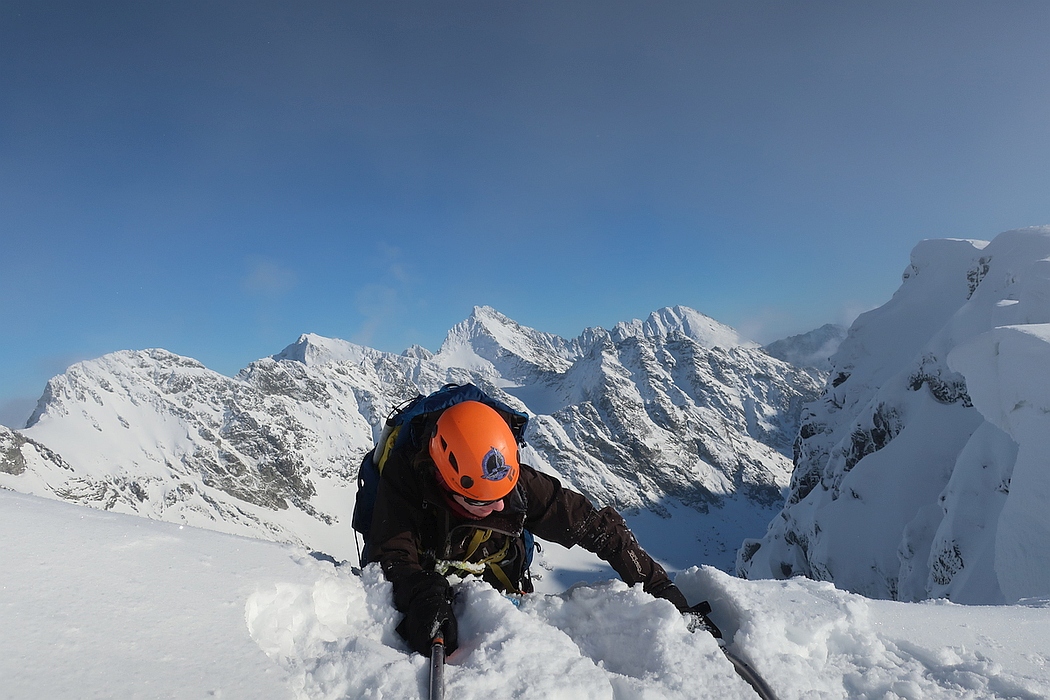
{"x":672,"y":416}
{"x":922,"y":470}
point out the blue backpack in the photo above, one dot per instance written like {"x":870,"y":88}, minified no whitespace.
{"x":406,"y":427}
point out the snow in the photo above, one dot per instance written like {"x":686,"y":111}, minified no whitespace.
{"x":655,"y":426}
{"x":99,"y":604}
{"x":922,"y":474}
{"x":811,"y":350}
{"x":1002,"y":370}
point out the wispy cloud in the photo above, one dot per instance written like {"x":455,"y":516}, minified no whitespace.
{"x":393,"y":259}
{"x":384,"y":303}
{"x":763,"y":326}
{"x":52,"y":365}
{"x":850,"y":310}
{"x":377,"y":303}
{"x":266,"y":278}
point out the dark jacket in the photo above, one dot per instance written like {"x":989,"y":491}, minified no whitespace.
{"x":414,"y":529}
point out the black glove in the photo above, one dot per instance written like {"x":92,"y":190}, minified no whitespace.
{"x":426,"y":599}
{"x":669,"y":592}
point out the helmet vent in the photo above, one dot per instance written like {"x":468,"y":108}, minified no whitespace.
{"x":467,"y":482}
{"x":452,"y":461}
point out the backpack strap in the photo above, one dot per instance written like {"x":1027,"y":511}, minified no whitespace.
{"x":498,"y":572}
{"x":386,"y":443}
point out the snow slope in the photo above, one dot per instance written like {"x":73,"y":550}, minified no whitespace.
{"x":97,"y":604}
{"x":100,"y":605}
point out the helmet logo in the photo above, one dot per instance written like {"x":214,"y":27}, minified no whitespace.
{"x":493,"y":466}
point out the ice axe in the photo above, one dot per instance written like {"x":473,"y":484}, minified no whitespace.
{"x":437,"y":668}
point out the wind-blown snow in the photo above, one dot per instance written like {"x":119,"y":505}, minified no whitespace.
{"x":105,"y":605}
{"x":811,"y":350}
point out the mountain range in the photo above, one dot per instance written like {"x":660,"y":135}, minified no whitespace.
{"x":675,"y":420}
{"x":909,"y":465}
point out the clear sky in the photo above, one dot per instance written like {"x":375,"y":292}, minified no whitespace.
{"x":216,"y":177}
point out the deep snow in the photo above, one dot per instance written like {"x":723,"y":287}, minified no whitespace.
{"x":97,"y":604}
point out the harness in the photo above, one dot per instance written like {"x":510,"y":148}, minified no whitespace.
{"x":477,"y":568}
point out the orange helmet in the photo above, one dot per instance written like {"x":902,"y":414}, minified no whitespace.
{"x":475,"y":452}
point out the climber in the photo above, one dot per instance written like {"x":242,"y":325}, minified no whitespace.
{"x":463,"y":504}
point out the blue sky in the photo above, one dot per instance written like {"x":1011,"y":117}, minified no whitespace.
{"x":217,"y":177}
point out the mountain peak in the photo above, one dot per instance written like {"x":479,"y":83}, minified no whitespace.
{"x":705,"y":330}
{"x":312,"y":350}
{"x":487,"y":338}
{"x":485,"y":312}
{"x":273,"y":451}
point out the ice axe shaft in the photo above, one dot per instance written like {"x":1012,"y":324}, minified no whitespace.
{"x":437,"y":669}
{"x":697,"y":619}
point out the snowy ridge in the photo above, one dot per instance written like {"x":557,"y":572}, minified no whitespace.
{"x":488,"y":340}
{"x":650,"y":423}
{"x":904,"y":477}
{"x":160,"y":435}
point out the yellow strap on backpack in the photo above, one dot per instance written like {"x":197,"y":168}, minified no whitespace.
{"x":386,"y":446}
{"x":480,"y":537}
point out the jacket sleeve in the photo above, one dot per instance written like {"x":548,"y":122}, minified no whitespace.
{"x":396,"y":523}
{"x":566,"y":517}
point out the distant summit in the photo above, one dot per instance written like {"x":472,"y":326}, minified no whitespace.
{"x":813,"y":349}
{"x":489,"y":340}
{"x":314,"y":350}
